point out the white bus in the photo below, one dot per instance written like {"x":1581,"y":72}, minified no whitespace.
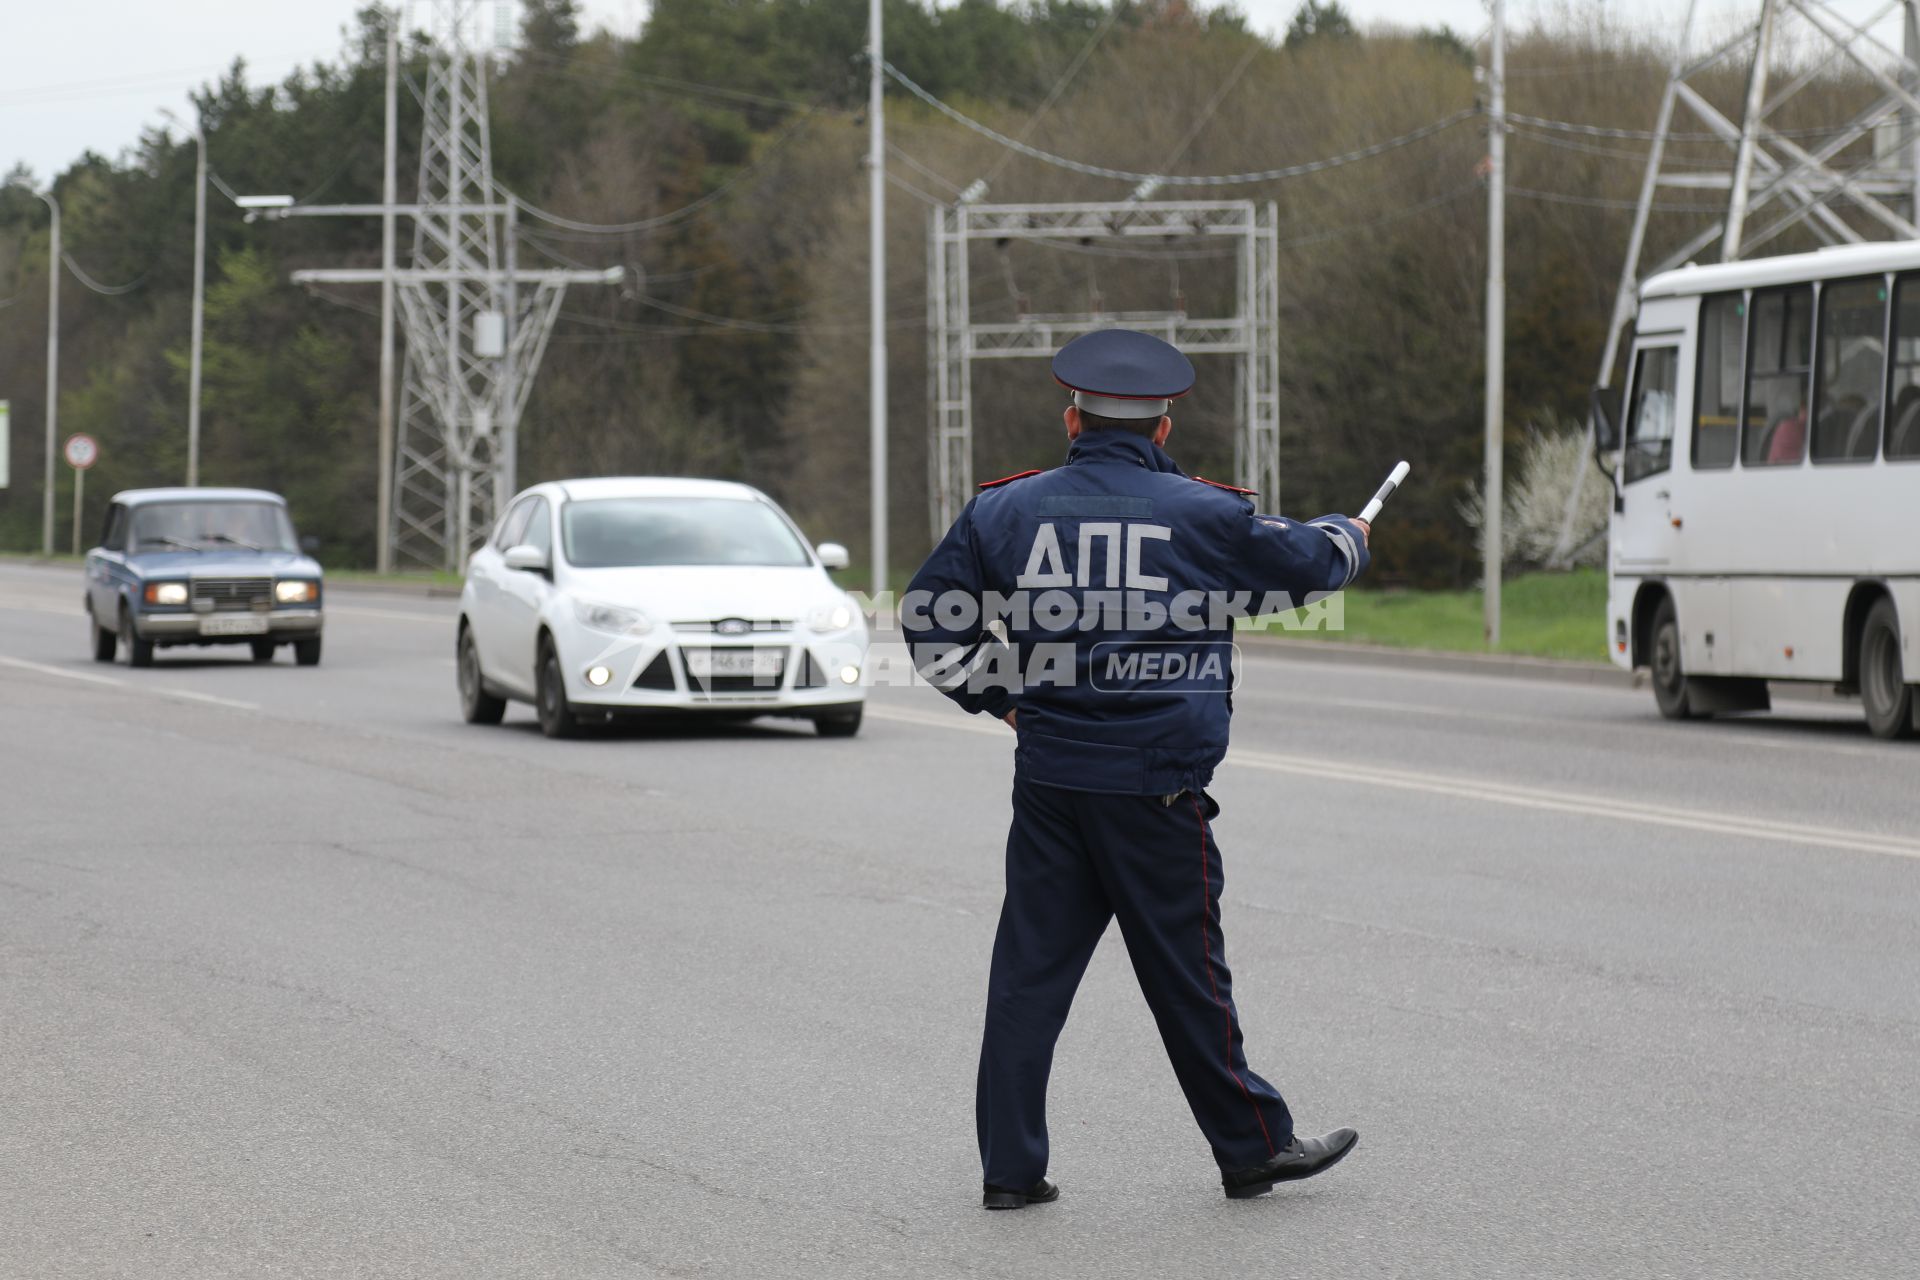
{"x":1767,"y":518}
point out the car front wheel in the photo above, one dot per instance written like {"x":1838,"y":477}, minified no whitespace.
{"x":307,"y":652}
{"x":556,"y":713}
{"x":105,"y":642}
{"x":843,"y":724}
{"x":139,"y":652}
{"x":477,"y":706}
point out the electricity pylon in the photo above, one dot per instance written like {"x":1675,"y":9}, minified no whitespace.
{"x":476,"y":323}
{"x":1853,"y":180}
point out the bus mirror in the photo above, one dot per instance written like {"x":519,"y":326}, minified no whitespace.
{"x":1606,"y":432}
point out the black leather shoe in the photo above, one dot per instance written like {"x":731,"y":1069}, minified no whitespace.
{"x":1302,"y":1158}
{"x":1041,"y":1192}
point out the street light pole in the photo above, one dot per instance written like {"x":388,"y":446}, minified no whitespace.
{"x":383,"y":541}
{"x":53,"y":372}
{"x":199,"y":297}
{"x":1493,"y":508}
{"x":877,"y":298}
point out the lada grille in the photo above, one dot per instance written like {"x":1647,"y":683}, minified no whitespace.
{"x":232,"y":593}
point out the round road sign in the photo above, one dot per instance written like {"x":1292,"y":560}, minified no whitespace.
{"x":82,"y":452}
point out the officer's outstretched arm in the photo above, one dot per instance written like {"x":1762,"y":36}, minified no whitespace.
{"x":945,"y":626}
{"x":1301,"y":557}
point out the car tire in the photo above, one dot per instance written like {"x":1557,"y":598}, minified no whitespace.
{"x":557,"y":719}
{"x":105,"y":642}
{"x":307,"y":652}
{"x":477,"y":706}
{"x":139,"y":651}
{"x":843,"y":724}
{"x":262,"y":650}
{"x":1669,"y":677}
{"x":1884,"y":691}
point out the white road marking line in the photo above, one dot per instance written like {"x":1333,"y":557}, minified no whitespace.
{"x":44,"y":669}
{"x":213,"y":698}
{"x":71,"y":612}
{"x":1512,"y":794}
{"x":114,"y":682}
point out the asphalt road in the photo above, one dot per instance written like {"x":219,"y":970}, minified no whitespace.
{"x":300,"y":975}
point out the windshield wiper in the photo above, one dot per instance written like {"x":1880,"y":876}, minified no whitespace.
{"x":171,"y":542}
{"x":238,"y":542}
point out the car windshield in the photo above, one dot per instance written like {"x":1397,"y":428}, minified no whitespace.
{"x":608,"y":533}
{"x":201,"y":526}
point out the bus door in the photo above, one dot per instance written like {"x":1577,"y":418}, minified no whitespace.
{"x":1644,"y":531}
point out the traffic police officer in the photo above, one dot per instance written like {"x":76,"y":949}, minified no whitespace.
{"x":1091,"y":607}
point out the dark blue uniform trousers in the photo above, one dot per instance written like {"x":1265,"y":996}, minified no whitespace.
{"x":1075,"y":860}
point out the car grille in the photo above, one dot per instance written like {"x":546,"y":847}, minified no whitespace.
{"x":232,"y":593}
{"x":751,"y":624}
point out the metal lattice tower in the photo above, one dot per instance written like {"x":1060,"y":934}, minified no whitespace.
{"x":956,"y":340}
{"x":1858,"y":180}
{"x":476,"y":324}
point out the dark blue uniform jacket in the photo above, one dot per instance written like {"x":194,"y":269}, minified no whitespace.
{"x":1097,"y":600}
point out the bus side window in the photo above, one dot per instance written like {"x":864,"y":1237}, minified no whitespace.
{"x":1852,"y":372}
{"x":1716,"y":422}
{"x":1779,"y":360}
{"x":1650,"y":412}
{"x":1903,"y":417}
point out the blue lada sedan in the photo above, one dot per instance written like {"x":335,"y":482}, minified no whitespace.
{"x":201,"y":566}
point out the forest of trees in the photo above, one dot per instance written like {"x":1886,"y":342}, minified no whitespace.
{"x":739,"y":346}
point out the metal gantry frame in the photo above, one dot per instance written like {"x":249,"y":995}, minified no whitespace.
{"x":956,"y":340}
{"x":476,"y":323}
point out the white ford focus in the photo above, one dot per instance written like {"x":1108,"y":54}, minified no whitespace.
{"x":596,"y":599}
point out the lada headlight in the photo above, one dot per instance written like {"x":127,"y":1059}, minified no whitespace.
{"x":166,"y":593}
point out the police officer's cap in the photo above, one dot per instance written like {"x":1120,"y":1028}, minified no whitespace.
{"x":1122,"y":373}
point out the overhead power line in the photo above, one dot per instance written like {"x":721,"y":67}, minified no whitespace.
{"x":1175,"y":180}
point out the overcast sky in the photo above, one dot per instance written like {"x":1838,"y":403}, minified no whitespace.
{"x":92,"y":73}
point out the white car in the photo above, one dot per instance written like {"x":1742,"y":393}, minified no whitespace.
{"x":596,"y":599}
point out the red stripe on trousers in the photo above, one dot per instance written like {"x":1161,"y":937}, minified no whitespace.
{"x":1206,"y":950}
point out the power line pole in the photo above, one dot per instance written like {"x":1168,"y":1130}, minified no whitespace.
{"x":1750,"y":126}
{"x":1495,"y":497}
{"x":383,"y":553}
{"x":877,"y":297}
{"x":53,"y":372}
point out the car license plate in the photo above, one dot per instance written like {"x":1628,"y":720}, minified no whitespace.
{"x":237,"y":624}
{"x":762,"y":664}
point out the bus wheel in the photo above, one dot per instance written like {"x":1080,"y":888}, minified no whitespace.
{"x":1669,"y":680}
{"x":1884,"y":690}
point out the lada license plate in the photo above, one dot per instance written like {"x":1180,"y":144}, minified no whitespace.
{"x":236,"y":624}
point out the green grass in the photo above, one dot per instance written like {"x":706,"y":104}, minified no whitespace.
{"x":1547,"y":615}
{"x":421,"y":578}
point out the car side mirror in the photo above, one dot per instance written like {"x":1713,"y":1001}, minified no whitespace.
{"x":1606,"y":429}
{"x":833,"y":555}
{"x":527,"y":557}
{"x":310,"y":544}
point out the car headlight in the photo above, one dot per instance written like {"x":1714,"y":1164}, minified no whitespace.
{"x":166,"y":593}
{"x":836,"y":618}
{"x":614,"y":619}
{"x":294,"y":592}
